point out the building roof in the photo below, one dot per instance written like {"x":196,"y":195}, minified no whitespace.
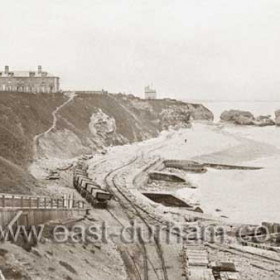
{"x":26,"y":74}
{"x":7,"y":72}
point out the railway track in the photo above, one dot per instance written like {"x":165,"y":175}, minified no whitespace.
{"x":136,"y":268}
{"x":148,"y":261}
{"x":143,"y":248}
{"x":248,"y":255}
{"x":148,"y":219}
{"x":125,"y":198}
{"x":115,"y":187}
{"x":146,"y":222}
{"x":273,"y":265}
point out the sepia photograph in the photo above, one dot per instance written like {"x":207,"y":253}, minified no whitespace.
{"x":140,"y":140}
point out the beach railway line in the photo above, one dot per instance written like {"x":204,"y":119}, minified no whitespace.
{"x":155,"y":264}
{"x":128,"y":204}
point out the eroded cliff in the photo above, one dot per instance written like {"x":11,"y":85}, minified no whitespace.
{"x":65,"y":126}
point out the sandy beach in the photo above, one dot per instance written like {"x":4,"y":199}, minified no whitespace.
{"x":243,"y":196}
{"x":249,"y":196}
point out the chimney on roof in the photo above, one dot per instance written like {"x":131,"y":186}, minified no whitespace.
{"x":6,"y":69}
{"x":39,"y":69}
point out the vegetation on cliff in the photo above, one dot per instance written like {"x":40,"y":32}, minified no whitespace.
{"x":88,"y":123}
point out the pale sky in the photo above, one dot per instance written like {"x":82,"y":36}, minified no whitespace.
{"x":191,"y":49}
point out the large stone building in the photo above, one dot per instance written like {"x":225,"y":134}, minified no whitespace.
{"x":28,"y":81}
{"x":150,"y":93}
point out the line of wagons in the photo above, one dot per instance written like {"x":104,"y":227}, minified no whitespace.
{"x":90,"y":190}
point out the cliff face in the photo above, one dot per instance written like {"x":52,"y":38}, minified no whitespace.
{"x":22,"y":116}
{"x":46,"y":125}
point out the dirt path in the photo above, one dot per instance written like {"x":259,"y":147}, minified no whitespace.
{"x":37,"y":138}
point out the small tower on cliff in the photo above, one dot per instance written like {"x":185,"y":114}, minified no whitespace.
{"x":150,"y":93}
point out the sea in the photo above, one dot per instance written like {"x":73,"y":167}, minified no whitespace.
{"x":242,"y":196}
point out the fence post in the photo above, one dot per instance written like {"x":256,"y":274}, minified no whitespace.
{"x":45,"y":202}
{"x":38,"y":202}
{"x":13,"y":201}
{"x":21,"y":202}
{"x":30,"y":202}
{"x":51,"y":202}
{"x":72,"y":201}
{"x":3,"y":201}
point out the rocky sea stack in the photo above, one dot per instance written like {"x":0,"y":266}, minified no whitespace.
{"x":238,"y":117}
{"x":247,"y":118}
{"x":264,"y":121}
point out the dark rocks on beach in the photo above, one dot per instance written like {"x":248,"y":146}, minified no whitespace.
{"x":277,"y":117}
{"x":238,"y":117}
{"x":247,"y":118}
{"x":264,"y":121}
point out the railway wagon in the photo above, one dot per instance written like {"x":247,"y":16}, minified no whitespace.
{"x":80,"y":178}
{"x":97,"y":196}
{"x":76,"y":176}
{"x":94,"y":194}
{"x":82,"y":187}
{"x":91,"y":191}
{"x":77,"y":180}
{"x":80,"y":172}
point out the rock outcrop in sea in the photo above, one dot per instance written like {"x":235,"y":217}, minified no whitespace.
{"x":264,"y":121}
{"x":247,"y":118}
{"x":238,"y":117}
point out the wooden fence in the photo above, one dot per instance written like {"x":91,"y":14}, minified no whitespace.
{"x":37,"y":210}
{"x":23,"y":201}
